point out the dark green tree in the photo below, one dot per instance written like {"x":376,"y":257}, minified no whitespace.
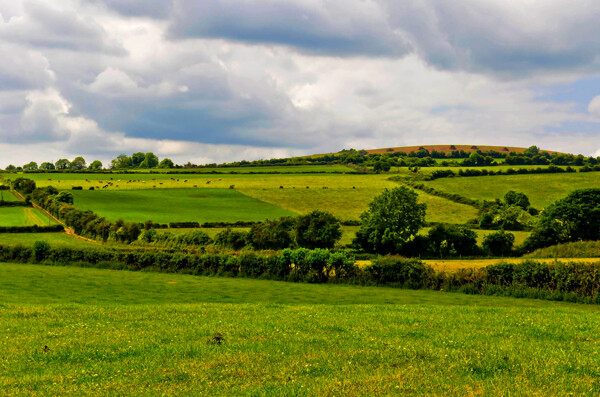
{"x":166,"y":163}
{"x":150,"y":161}
{"x":95,"y":165}
{"x":78,"y":163}
{"x":517,"y":198}
{"x":499,"y":243}
{"x":137,"y":159}
{"x":47,"y":166}
{"x":393,"y":219}
{"x":574,"y":218}
{"x":317,"y":229}
{"x":451,"y":240}
{"x":62,"y":164}
{"x":30,"y":166}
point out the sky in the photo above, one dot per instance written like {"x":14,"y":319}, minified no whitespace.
{"x":218,"y":81}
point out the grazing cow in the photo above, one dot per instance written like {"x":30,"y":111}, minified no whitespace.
{"x":49,"y":179}
{"x":195,"y":185}
{"x":185,"y":180}
{"x":207,"y":182}
{"x":104,"y":187}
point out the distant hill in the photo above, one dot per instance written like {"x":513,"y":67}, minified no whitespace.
{"x":450,"y":148}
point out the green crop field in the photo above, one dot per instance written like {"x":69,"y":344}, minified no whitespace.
{"x":542,"y":189}
{"x":74,"y":332}
{"x":177,"y":205}
{"x":23,"y":216}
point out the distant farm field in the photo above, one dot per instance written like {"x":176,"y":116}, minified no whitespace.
{"x":7,"y":196}
{"x":54,"y":239}
{"x":177,"y":205}
{"x":542,"y":189}
{"x":73,"y":331}
{"x":23,"y":216}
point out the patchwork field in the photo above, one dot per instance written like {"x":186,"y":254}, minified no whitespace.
{"x":23,"y":216}
{"x":542,"y":189}
{"x":177,"y":205}
{"x":73,"y":331}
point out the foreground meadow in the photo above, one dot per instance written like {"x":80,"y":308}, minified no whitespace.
{"x":72,"y":331}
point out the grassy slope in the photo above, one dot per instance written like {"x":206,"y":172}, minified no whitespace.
{"x":177,"y":205}
{"x":541,"y":189}
{"x":126,"y":333}
{"x":23,"y":216}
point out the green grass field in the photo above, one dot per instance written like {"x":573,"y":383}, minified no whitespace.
{"x":7,"y":196}
{"x":75,"y":332}
{"x":177,"y":205}
{"x":23,"y":216}
{"x":542,"y":189}
{"x":335,"y":168}
{"x":346,"y":196}
{"x":54,"y":239}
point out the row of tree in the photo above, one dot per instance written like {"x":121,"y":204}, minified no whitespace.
{"x":122,"y":161}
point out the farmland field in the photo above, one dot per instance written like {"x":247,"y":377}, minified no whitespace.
{"x":542,"y":189}
{"x":23,"y":216}
{"x":177,"y":205}
{"x":7,"y":196}
{"x":85,"y":331}
{"x":58,"y":239}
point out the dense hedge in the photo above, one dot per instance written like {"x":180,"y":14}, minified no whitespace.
{"x":552,"y":169}
{"x":15,"y":204}
{"x":32,"y":229}
{"x":575,"y":282}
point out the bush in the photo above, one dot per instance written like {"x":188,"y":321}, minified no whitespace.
{"x":451,"y":240}
{"x":408,"y":273}
{"x":317,"y":229}
{"x":41,"y":250}
{"x":499,"y":243}
{"x":228,"y":238}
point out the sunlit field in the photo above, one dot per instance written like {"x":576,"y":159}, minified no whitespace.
{"x":71,"y":331}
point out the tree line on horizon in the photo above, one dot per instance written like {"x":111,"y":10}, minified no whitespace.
{"x":359,"y":158}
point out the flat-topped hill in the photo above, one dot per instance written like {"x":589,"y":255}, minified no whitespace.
{"x":450,"y":148}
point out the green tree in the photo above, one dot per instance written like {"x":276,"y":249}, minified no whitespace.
{"x":95,"y":165}
{"x":11,"y":167}
{"x":276,"y":234}
{"x":499,"y":243}
{"x":317,"y":229}
{"x":23,"y":185}
{"x":47,"y":166}
{"x":78,"y":163}
{"x":30,"y":166}
{"x":393,"y":219}
{"x":451,"y":240}
{"x":137,"y":159}
{"x":574,"y":218}
{"x":122,"y":161}
{"x":62,"y":164}
{"x":517,"y":199}
{"x":150,"y":161}
{"x":166,"y":163}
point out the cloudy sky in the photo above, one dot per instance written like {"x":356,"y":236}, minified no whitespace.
{"x":225,"y":80}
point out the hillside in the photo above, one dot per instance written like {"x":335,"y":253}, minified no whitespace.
{"x":450,"y":148}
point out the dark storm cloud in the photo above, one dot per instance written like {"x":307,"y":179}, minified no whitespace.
{"x":331,"y":27}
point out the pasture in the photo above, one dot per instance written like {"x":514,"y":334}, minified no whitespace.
{"x":6,"y":195}
{"x":58,"y":239}
{"x":23,"y":216}
{"x":542,"y":189}
{"x":346,"y":196}
{"x":177,"y":205}
{"x":78,"y":331}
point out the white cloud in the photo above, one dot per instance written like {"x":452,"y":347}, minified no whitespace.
{"x":101,"y":77}
{"x":594,"y":106}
